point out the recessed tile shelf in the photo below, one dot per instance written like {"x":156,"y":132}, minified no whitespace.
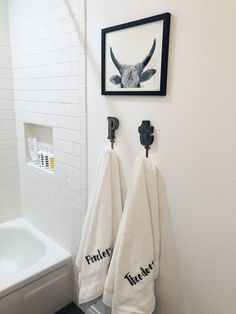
{"x":31,"y":164}
{"x":44,"y":135}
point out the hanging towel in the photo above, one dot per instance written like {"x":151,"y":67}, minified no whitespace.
{"x":100,"y":228}
{"x":129,"y":286}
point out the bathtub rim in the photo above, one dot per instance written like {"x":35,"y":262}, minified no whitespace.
{"x":54,"y":258}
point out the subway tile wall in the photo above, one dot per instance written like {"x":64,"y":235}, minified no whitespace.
{"x":48,"y":56}
{"x":9,"y":179}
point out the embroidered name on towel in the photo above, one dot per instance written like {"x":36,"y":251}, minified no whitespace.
{"x":134,"y":280}
{"x":99,"y":256}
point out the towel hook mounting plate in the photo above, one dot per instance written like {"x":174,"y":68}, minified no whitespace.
{"x":113,"y":124}
{"x":146,"y":138}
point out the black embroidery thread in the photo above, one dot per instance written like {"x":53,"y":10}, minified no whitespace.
{"x":99,"y":256}
{"x":134,"y":280}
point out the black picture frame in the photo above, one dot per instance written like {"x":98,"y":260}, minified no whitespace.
{"x":161,"y":91}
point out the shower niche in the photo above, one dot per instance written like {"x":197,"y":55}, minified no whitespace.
{"x":39,"y":149}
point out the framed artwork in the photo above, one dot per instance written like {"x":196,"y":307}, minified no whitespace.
{"x":135,"y":57}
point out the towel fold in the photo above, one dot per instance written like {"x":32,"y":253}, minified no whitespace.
{"x":100,"y":228}
{"x":129,"y":286}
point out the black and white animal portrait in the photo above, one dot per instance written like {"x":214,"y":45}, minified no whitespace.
{"x":132,"y":75}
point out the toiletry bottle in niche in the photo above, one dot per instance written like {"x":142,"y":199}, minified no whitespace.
{"x":40,"y":157}
{"x":51,"y":160}
{"x":46,"y":161}
{"x":33,"y":149}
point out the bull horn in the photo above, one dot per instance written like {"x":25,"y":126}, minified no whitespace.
{"x":150,"y":54}
{"x":115,"y":61}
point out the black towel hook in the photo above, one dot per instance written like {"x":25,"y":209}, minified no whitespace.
{"x":146,"y":138}
{"x":113,"y":124}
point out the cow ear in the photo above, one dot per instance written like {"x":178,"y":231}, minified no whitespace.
{"x":146,"y":75}
{"x":115,"y":79}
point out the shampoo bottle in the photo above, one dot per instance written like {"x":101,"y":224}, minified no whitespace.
{"x":41,"y":157}
{"x":51,"y":160}
{"x":33,"y":148}
{"x":46,"y":161}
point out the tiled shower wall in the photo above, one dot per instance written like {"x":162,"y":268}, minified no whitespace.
{"x":47,"y":42}
{"x":9,"y":180}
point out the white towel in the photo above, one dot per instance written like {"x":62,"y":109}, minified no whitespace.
{"x":100,"y":228}
{"x":129,"y":286}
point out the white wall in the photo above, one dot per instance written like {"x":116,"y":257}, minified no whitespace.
{"x":9,"y":180}
{"x":195,"y":145}
{"x":47,"y":39}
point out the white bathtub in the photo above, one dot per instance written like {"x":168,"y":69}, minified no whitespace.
{"x":35,"y":273}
